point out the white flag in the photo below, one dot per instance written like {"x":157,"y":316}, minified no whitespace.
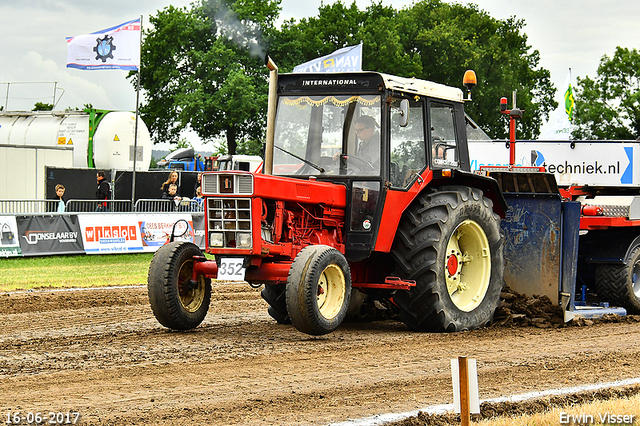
{"x":569,"y":103}
{"x":346,"y":59}
{"x":114,"y":48}
{"x":559,"y":125}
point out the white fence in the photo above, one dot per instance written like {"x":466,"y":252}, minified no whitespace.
{"x":109,"y":206}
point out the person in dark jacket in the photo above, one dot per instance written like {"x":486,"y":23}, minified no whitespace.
{"x":103,"y":192}
{"x":197,"y":188}
{"x":173,"y":179}
{"x":172,"y":193}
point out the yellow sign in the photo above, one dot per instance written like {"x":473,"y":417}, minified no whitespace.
{"x":62,"y":140}
{"x":116,"y":138}
{"x":70,"y":142}
{"x":329,"y":63}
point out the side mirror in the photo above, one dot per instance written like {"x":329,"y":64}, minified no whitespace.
{"x":404,"y":112}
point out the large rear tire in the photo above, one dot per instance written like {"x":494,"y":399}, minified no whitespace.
{"x":450,"y":243}
{"x":620,"y":284}
{"x":318,"y":289}
{"x":177,"y":303}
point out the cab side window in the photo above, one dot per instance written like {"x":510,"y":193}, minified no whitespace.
{"x":444,"y":147}
{"x":408,"y":153}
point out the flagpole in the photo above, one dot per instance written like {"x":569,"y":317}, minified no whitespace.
{"x":135,"y":136}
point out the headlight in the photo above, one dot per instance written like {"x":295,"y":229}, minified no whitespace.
{"x":216,"y":239}
{"x":243,"y":239}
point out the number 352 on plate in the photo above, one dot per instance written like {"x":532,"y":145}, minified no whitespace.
{"x":231,"y":269}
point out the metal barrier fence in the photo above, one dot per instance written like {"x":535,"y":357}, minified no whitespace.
{"x":151,"y":205}
{"x":28,"y":206}
{"x":110,"y":206}
{"x":83,"y":206}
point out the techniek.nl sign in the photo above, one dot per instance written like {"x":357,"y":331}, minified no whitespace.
{"x":580,"y":163}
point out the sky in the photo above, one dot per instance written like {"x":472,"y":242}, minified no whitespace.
{"x":567,"y":34}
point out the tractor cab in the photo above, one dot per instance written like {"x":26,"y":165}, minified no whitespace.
{"x":373,"y":133}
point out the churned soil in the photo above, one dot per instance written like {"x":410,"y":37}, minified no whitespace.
{"x":101,"y":353}
{"x":513,"y":409}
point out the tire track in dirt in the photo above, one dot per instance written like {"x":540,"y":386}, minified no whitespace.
{"x":115,"y":364}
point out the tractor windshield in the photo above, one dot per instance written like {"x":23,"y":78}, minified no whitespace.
{"x":333,"y":135}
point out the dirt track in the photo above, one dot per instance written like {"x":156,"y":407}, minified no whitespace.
{"x":103,"y":354}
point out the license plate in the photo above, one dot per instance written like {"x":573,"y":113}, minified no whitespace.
{"x":231,"y":269}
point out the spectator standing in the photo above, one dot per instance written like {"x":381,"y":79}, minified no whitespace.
{"x":60,"y":197}
{"x":172,"y":193}
{"x":197,"y":188}
{"x":103,"y":192}
{"x":173,"y":179}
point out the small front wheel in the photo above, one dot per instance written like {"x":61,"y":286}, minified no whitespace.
{"x":177,"y":301}
{"x":318,"y":289}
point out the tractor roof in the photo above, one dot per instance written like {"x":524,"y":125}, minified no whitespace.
{"x":359,"y":80}
{"x":422,"y":87}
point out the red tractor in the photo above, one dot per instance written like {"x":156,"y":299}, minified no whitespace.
{"x":367,"y":196}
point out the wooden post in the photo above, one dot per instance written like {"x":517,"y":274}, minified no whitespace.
{"x":465,"y":411}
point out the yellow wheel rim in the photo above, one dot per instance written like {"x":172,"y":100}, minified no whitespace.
{"x":331,"y":291}
{"x":468,"y":265}
{"x":190,"y":298}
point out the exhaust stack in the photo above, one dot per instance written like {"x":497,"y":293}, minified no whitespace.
{"x":271,"y":115}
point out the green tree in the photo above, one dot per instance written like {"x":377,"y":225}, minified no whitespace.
{"x":338,"y":26}
{"x":608,"y":107}
{"x":42,"y":106}
{"x":202,"y":68}
{"x":435,"y":41}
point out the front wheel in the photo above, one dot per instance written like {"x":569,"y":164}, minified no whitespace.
{"x":318,"y":289}
{"x":620,"y":284}
{"x":449,"y":242}
{"x":177,"y":302}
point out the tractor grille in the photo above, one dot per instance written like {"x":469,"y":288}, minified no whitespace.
{"x":222,"y":183}
{"x":229,"y":222}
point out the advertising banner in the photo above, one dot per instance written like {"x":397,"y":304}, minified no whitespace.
{"x":9,"y":244}
{"x":156,"y":230}
{"x":42,"y":235}
{"x":573,"y":162}
{"x":110,"y":233}
{"x":198,"y":227}
{"x":113,"y":48}
{"x":343,"y":60}
{"x":133,"y":233}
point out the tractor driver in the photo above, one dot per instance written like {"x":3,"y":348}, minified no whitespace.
{"x":368,"y":147}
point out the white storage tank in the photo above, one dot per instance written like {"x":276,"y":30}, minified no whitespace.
{"x":30,"y":141}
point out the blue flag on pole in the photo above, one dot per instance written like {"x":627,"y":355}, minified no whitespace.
{"x":346,"y":59}
{"x":114,"y":48}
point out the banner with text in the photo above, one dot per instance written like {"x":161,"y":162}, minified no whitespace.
{"x":343,"y":60}
{"x":573,"y":162}
{"x":113,"y":48}
{"x":133,"y":233}
{"x":9,"y":244}
{"x":42,"y":235}
{"x":156,"y":231}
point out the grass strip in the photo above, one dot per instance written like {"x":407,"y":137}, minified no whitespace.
{"x":26,"y":273}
